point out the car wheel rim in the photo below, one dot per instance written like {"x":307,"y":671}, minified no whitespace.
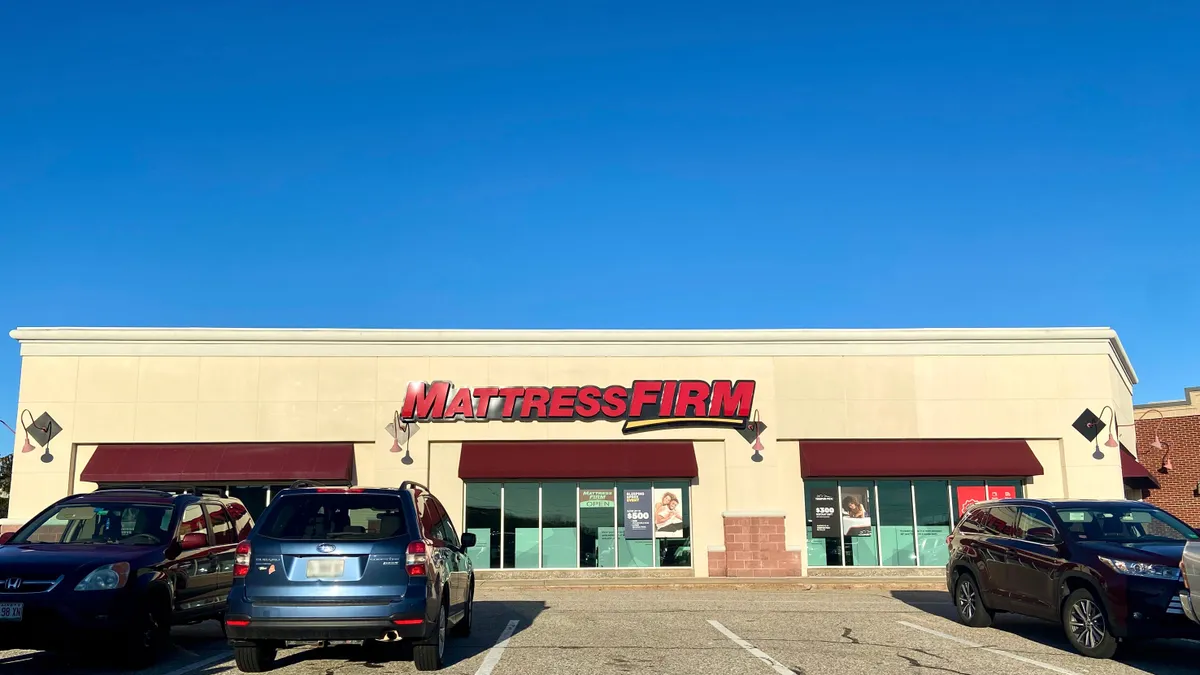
{"x":1087,"y":624}
{"x":966,"y":600}
{"x":150,"y":632}
{"x":441,"y":633}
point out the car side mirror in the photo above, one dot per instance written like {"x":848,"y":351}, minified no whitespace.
{"x":1042,"y":535}
{"x":193,"y":541}
{"x":5,"y":537}
{"x":468,"y":539}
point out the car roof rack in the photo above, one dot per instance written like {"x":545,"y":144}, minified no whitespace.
{"x":410,"y":484}
{"x":125,"y":489}
{"x":304,"y":484}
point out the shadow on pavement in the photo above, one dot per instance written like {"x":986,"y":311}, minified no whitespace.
{"x":188,"y":644}
{"x":1157,"y":657}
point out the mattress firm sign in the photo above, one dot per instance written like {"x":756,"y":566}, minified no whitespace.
{"x":642,"y":406}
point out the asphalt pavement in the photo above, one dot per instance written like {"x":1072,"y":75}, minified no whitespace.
{"x":726,"y":632}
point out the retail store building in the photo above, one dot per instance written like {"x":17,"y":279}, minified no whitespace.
{"x":1169,"y":449}
{"x":706,"y":453}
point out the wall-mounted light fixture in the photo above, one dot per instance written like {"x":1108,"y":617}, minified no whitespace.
{"x":1158,"y":443}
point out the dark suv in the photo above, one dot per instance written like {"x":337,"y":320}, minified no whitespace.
{"x":1107,"y":570}
{"x":337,"y":565}
{"x":118,"y":567}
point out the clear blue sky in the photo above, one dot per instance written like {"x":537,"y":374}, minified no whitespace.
{"x":571,"y":165}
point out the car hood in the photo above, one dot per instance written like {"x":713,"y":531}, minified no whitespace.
{"x":1156,"y":553}
{"x":51,"y":560}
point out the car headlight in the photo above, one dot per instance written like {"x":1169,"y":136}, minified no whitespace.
{"x":105,"y":578}
{"x":1140,"y":569}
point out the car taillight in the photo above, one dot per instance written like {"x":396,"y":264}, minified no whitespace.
{"x":340,"y":490}
{"x":241,"y":559}
{"x":415,"y":559}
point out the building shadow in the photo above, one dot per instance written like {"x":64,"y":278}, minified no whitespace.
{"x":1157,"y":657}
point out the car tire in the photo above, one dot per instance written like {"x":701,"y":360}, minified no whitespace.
{"x":463,"y":627}
{"x":968,"y":602}
{"x":429,"y":654}
{"x":1086,"y":624}
{"x":255,"y":658}
{"x":149,"y":634}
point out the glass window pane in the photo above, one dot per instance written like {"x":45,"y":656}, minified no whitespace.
{"x":822,"y":550}
{"x":858,"y":520}
{"x":1003,"y":489}
{"x":223,"y":532}
{"x":967,"y":493}
{"x":933,"y":521}
{"x":483,"y":520}
{"x":254,"y":497}
{"x":520,"y":525}
{"x":896,"y":523}
{"x":634,"y":552}
{"x":597,"y":536}
{"x":558,"y":525}
{"x":673,"y":526}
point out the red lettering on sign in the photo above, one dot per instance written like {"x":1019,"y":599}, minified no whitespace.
{"x":423,"y":401}
{"x":536,"y":398}
{"x":693,"y":399}
{"x":588,"y":402}
{"x":731,"y":400}
{"x":645,"y":392}
{"x":485,"y":396}
{"x":462,"y":404}
{"x":510,"y":396}
{"x":562,"y":401}
{"x":614,"y":402}
{"x":667,"y":398}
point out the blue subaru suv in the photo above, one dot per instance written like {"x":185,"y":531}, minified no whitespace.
{"x":350,"y":565}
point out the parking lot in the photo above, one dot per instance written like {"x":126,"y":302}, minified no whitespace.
{"x":723,"y":632}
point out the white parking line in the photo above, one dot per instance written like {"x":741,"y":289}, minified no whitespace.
{"x":494,"y":654}
{"x":754,"y":651}
{"x":200,"y":664}
{"x":991,"y":650}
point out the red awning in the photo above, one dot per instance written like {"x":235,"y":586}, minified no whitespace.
{"x":1136,"y":476}
{"x":220,"y":462}
{"x":918,"y":458}
{"x":577,"y":460}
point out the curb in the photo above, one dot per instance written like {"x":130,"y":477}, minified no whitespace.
{"x":789,"y":585}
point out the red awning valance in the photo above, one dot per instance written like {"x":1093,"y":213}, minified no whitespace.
{"x":1136,"y":476}
{"x":577,"y":460}
{"x":220,"y":462}
{"x":918,"y":458}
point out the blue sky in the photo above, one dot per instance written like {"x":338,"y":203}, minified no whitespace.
{"x":529,"y":165}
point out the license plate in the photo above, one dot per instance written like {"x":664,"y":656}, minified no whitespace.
{"x":326,"y":568}
{"x":11,"y":611}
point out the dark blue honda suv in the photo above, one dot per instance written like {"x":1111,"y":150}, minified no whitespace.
{"x":350,"y":565}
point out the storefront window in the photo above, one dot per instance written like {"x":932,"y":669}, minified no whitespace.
{"x":672,"y":524}
{"x":520,"y":526}
{"x":597,"y":525}
{"x":559,"y":534}
{"x":859,"y":523}
{"x":965,"y":493}
{"x":483,"y":520}
{"x":933,"y":521}
{"x":823,"y":529}
{"x":634,"y":552}
{"x":896,"y":541}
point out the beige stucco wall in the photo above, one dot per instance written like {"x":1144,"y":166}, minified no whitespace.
{"x":112,"y":386}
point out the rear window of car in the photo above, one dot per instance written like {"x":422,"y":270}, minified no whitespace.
{"x":354,"y":517}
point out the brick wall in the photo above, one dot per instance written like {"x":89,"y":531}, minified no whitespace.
{"x":1176,"y":492}
{"x":755,"y":546}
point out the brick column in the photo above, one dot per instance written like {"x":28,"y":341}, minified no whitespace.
{"x":755,"y":546}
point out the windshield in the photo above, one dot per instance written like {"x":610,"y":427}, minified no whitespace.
{"x":105,"y":523}
{"x":1124,"y":524}
{"x":364,"y":517}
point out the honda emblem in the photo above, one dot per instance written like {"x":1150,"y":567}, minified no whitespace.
{"x":12,"y":584}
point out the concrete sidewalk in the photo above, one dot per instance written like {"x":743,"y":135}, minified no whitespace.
{"x":904,"y":583}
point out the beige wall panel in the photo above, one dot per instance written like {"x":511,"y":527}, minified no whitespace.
{"x":35,"y":491}
{"x":1052,"y":483}
{"x":49,"y":378}
{"x":287,"y":420}
{"x":347,"y":379}
{"x":880,"y":377}
{"x":226,"y":421}
{"x":802,"y":378}
{"x":880,"y":418}
{"x":346,"y":420}
{"x":288,"y":378}
{"x":105,"y":422}
{"x":800,"y":419}
{"x":444,"y":481}
{"x":515,"y":371}
{"x":105,"y":379}
{"x":165,"y":423}
{"x":708,"y":502}
{"x":465,"y":371}
{"x":394,"y":374}
{"x":224,"y":378}
{"x":164,"y":379}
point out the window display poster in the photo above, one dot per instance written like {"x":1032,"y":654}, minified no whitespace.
{"x":638,"y":515}
{"x":668,"y":513}
{"x":968,"y":496}
{"x":596,"y":499}
{"x":824,"y":511}
{"x":856,"y":511}
{"x":1001,"y":492}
